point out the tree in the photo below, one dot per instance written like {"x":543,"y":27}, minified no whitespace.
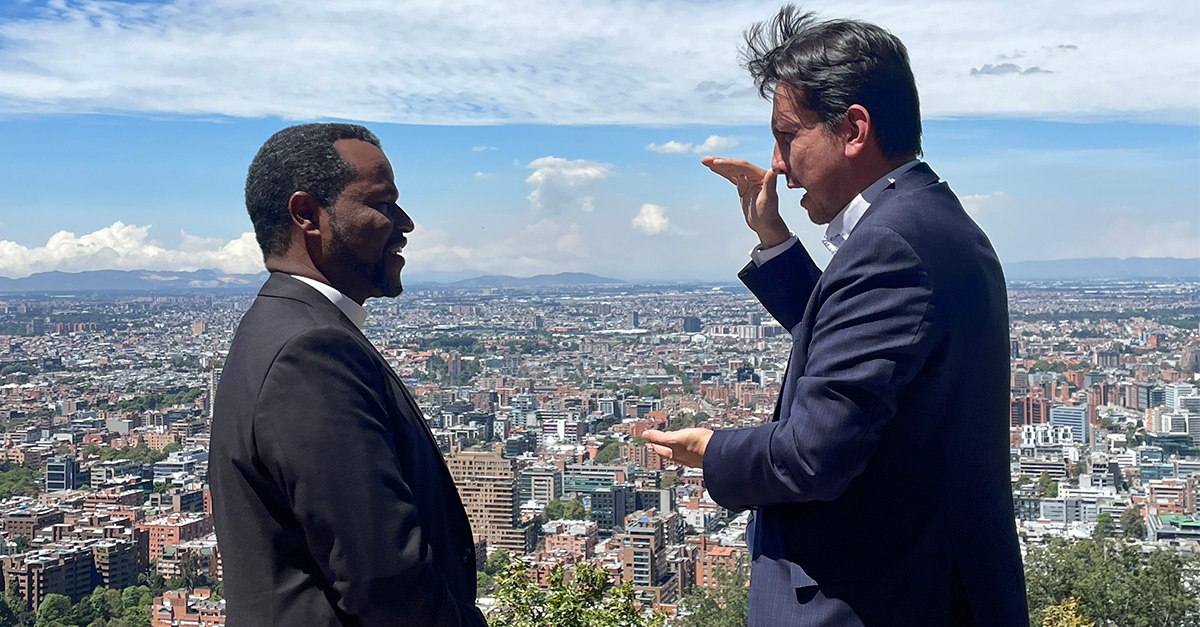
{"x":575,"y":510}
{"x":1047,"y":486}
{"x":553,"y":510}
{"x":1115,"y":584}
{"x":1081,"y":468}
{"x":608,"y":452}
{"x":53,"y":610}
{"x":22,"y":544}
{"x":1065,"y":614}
{"x":649,"y":389}
{"x":1105,"y":527}
{"x":724,"y":605}
{"x":587,"y":600}
{"x":496,"y":562}
{"x":1133,"y":525}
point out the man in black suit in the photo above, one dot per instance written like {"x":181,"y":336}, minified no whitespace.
{"x":881,"y":488}
{"x":333,"y":506}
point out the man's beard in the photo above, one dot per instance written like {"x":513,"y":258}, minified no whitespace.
{"x":376,"y":274}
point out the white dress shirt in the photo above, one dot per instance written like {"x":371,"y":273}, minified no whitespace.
{"x":839,"y":228}
{"x":353,"y":310}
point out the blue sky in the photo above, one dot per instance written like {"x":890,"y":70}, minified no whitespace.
{"x":525,"y":143}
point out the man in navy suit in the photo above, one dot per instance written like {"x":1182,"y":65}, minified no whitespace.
{"x":333,"y":506}
{"x":880,"y":491}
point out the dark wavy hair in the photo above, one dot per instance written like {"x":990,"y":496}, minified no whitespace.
{"x":833,"y":64}
{"x":297,"y":159}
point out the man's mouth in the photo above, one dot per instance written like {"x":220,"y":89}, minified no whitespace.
{"x":397,"y":248}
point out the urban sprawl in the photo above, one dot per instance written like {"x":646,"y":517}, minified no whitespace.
{"x":537,"y":398}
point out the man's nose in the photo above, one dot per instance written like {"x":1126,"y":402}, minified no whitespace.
{"x":402,"y":222}
{"x":778,"y":163}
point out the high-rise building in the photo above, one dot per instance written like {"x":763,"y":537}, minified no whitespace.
{"x":487,"y":483}
{"x":62,"y":473}
{"x":691,"y":324}
{"x":1173,"y":392}
{"x":1073,"y":416}
{"x":540,"y":483}
{"x":609,"y":505}
{"x":644,"y":559}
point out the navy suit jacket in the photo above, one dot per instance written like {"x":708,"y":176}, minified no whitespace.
{"x":881,"y":490}
{"x":333,"y":506}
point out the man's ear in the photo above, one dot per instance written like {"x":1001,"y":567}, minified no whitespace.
{"x":304,"y":211}
{"x":856,"y":129}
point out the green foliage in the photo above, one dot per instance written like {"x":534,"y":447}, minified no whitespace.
{"x":1065,"y":614}
{"x":18,"y":481}
{"x":483,"y":583}
{"x":141,"y":453}
{"x":53,"y":609}
{"x":649,"y":389}
{"x":1133,"y":525}
{"x":172,"y":447}
{"x":178,"y":396}
{"x":575,"y":510}
{"x":1105,"y":527}
{"x":553,"y":510}
{"x":587,"y":600}
{"x":681,"y":421}
{"x":724,"y":605}
{"x":1047,"y":486}
{"x":608,"y":452}
{"x":496,"y":562}
{"x":1115,"y":584}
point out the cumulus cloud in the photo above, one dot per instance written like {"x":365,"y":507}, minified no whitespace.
{"x":977,"y":204}
{"x":717,"y":143}
{"x":671,"y":147}
{"x":121,"y":246}
{"x":498,"y":62}
{"x":714,"y":143}
{"x":992,"y":70}
{"x":651,"y":219}
{"x":544,"y":246}
{"x":561,"y":184}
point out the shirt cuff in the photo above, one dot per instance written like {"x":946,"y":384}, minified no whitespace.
{"x":762,"y":255}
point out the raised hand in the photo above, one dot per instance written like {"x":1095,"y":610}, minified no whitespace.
{"x":685,"y":446}
{"x":760,"y":201}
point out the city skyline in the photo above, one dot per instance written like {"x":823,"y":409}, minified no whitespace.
{"x":524,"y":144}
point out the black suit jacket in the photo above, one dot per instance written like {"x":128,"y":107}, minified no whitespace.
{"x":332,"y":503}
{"x":882,"y":488}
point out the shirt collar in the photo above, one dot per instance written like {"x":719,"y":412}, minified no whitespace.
{"x":844,"y":222}
{"x":353,"y":310}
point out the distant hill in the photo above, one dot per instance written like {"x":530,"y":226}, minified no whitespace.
{"x":1104,"y":268}
{"x":540,"y":280}
{"x":151,"y":280}
{"x":131,"y":280}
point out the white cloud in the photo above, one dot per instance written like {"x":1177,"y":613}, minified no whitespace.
{"x":121,"y":246}
{"x":495,"y":62}
{"x":671,"y":147}
{"x":544,"y":246}
{"x":482,"y":148}
{"x":561,"y":184}
{"x":976,"y":204}
{"x":716,"y":143}
{"x":651,"y":219}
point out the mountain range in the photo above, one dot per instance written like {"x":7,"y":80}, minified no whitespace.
{"x":164,"y":281}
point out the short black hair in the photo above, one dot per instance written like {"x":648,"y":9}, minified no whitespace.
{"x":298,"y":158}
{"x":837,"y":63}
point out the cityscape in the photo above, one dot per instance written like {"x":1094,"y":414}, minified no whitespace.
{"x":537,"y":396}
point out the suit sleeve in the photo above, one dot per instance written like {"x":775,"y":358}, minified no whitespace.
{"x":783,"y":284}
{"x":870,"y":336}
{"x":322,"y":427}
